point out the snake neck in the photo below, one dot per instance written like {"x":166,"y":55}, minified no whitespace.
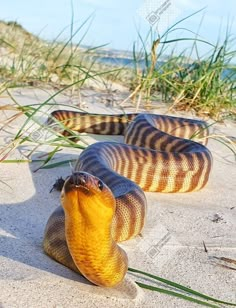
{"x":94,"y":252}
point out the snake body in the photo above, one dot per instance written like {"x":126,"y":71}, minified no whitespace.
{"x":156,"y":156}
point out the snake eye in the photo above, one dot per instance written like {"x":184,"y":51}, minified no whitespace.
{"x":100,"y":185}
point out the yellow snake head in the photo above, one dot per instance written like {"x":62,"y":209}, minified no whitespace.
{"x":89,"y":207}
{"x":87,"y":195}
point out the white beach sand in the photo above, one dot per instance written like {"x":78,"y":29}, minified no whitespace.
{"x":171,"y":245}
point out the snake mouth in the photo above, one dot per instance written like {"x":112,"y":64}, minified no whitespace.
{"x":77,"y":181}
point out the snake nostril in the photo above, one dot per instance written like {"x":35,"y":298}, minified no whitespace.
{"x":83,"y":179}
{"x":79,"y":178}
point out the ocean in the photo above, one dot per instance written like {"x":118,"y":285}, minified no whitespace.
{"x":129,"y":63}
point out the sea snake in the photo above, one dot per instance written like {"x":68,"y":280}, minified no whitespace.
{"x":103,"y":200}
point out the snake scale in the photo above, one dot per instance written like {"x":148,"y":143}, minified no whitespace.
{"x":103,"y":200}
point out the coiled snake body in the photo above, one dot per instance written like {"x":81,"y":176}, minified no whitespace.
{"x":103,"y":201}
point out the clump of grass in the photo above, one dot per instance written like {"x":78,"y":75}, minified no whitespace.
{"x":206,"y":85}
{"x":28,"y":60}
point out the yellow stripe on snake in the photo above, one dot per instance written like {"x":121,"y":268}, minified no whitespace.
{"x":103,"y":200}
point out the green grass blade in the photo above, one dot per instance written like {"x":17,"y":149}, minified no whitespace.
{"x":179,"y":21}
{"x":225,"y":144}
{"x":30,"y":116}
{"x":187,"y":39}
{"x":58,"y":164}
{"x":176,"y":294}
{"x":180,"y":287}
{"x":10,"y":161}
{"x":49,"y":157}
{"x":73,"y":35}
{"x":2,"y":41}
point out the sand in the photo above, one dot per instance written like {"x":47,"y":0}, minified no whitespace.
{"x":171,"y":245}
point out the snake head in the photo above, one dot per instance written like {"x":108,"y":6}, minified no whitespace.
{"x":86,"y":195}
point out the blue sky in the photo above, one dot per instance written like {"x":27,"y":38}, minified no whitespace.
{"x":116,"y":22}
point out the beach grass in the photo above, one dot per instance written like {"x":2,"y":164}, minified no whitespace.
{"x":27,"y":60}
{"x":206,"y":85}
